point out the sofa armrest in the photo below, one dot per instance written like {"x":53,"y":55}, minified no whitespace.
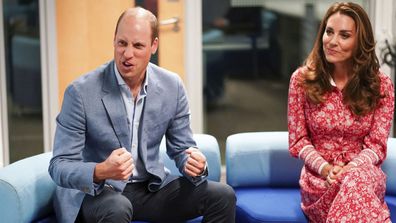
{"x":209,"y":147}
{"x":26,"y":189}
{"x":261,"y":159}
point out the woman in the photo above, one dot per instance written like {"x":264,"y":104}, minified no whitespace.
{"x":339,"y":116}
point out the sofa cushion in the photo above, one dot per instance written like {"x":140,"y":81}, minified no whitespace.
{"x":256,"y":204}
{"x":261,"y":159}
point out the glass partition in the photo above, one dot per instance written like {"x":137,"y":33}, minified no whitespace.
{"x":23,"y":78}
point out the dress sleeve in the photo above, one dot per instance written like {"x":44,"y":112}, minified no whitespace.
{"x":375,"y":143}
{"x":300,"y":144}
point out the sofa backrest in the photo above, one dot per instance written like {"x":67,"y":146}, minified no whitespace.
{"x":209,"y":146}
{"x":261,"y":159}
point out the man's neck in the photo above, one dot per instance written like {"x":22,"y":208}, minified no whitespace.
{"x":135,"y":84}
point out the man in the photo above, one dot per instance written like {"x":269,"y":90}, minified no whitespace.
{"x":106,"y":151}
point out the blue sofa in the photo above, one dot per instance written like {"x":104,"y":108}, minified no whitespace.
{"x":26,"y":189}
{"x":265,"y":177}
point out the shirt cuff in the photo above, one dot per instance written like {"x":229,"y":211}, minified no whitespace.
{"x":98,"y":188}
{"x":205,"y":171}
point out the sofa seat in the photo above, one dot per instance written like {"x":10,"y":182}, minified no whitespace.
{"x":391,"y":202}
{"x":52,"y":219}
{"x":280,"y":205}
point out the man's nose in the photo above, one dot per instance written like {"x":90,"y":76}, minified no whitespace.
{"x":128,"y":53}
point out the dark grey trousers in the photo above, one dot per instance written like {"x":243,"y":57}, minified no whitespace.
{"x":178,"y":201}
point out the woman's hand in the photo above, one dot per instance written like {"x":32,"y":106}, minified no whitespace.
{"x":326,"y":169}
{"x":335,"y":172}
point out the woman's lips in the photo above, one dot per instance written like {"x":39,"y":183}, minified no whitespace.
{"x":331,"y":51}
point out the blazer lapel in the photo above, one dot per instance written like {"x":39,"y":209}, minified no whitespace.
{"x":150,"y":111}
{"x":114,"y":105}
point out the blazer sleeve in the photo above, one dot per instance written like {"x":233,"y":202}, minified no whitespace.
{"x":179,"y":134}
{"x":66,"y":167}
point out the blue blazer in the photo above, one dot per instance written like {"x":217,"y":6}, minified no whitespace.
{"x":93,"y":122}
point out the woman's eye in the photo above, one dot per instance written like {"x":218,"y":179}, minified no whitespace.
{"x":328,"y":32}
{"x":344,"y":36}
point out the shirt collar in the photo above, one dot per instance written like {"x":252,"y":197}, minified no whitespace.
{"x":121,"y":81}
{"x":332,"y":82}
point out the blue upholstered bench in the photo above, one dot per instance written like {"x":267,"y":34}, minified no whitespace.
{"x":389,"y":167}
{"x":26,"y":189}
{"x":265,"y":177}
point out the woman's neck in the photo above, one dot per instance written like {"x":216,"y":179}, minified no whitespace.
{"x":341,"y":75}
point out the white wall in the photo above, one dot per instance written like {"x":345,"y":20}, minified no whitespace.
{"x":193,"y":65}
{"x":49,"y":71}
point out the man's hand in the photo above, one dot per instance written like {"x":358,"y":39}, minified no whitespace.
{"x":118,"y":166}
{"x":196,"y":162}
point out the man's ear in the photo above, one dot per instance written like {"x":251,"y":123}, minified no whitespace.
{"x":154,"y":46}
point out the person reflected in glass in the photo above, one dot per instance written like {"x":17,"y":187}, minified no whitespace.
{"x":340,"y":109}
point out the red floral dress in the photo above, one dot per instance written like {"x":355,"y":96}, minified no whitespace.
{"x":330,"y":133}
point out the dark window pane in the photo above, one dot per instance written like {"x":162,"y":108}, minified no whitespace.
{"x":23,"y":75}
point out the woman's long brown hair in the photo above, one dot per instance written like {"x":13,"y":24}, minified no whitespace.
{"x":362,"y":91}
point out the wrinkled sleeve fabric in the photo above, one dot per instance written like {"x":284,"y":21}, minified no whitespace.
{"x":375,"y":143}
{"x":66,"y":167}
{"x":179,"y":135}
{"x":300,"y":144}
